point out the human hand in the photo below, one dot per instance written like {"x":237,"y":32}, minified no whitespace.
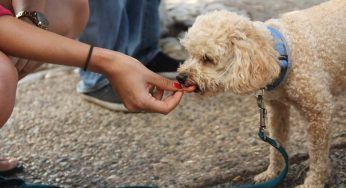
{"x":139,"y":88}
{"x":188,"y":89}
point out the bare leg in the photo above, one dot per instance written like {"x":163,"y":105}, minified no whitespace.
{"x":8,"y":86}
{"x":279,"y":128}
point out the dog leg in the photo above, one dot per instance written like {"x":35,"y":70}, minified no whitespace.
{"x":318,"y":147}
{"x":279,"y":128}
{"x":317,"y":107}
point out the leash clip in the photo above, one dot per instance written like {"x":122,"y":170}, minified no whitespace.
{"x":262,"y":111}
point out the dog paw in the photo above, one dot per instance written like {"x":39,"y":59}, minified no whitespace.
{"x":311,"y":183}
{"x":264,"y":176}
{"x":300,"y":186}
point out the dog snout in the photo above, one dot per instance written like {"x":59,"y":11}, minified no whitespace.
{"x":182,"y":78}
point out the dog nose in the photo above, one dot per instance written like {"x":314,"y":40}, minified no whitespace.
{"x":182,"y":78}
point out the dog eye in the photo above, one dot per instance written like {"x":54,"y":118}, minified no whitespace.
{"x":207,"y":59}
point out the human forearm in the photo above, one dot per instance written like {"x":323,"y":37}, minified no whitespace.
{"x":26,"y":41}
{"x":132,"y":81}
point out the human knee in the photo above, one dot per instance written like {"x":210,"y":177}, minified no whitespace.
{"x":67,"y":18}
{"x":80,"y":9}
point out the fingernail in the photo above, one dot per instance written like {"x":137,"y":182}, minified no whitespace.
{"x":177,"y":85}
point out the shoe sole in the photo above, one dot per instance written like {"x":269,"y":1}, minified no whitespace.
{"x":107,"y":105}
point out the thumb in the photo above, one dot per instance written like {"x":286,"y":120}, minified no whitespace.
{"x":162,"y":82}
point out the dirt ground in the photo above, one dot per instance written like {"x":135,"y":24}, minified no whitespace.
{"x":205,"y":142}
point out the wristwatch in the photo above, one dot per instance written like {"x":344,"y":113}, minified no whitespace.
{"x":36,"y":17}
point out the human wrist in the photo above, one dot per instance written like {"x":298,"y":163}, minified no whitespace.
{"x":102,"y":61}
{"x":108,"y":62}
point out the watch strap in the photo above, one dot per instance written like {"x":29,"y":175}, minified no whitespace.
{"x":33,"y":16}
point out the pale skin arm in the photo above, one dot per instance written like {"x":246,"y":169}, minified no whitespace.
{"x":129,"y":77}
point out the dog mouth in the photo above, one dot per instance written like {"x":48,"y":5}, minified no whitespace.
{"x":194,"y":86}
{"x":187,"y":84}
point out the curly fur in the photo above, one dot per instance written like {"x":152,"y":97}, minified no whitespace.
{"x":229,"y":53}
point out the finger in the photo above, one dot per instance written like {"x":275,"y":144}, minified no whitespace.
{"x":23,"y":71}
{"x":21,"y":63}
{"x":14,"y":60}
{"x":158,"y":94}
{"x":30,"y":67}
{"x":161,"y":82}
{"x":165,"y":106}
{"x":150,"y":88}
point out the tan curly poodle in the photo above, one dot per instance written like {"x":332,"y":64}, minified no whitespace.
{"x":229,"y":53}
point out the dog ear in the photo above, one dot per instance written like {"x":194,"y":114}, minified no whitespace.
{"x":254,"y":61}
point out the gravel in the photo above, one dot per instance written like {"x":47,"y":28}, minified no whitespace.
{"x":65,"y":141}
{"x":205,"y":142}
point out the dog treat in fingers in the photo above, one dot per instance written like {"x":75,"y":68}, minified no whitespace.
{"x":177,"y":85}
{"x":181,"y":87}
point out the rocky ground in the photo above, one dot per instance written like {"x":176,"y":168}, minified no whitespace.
{"x":205,"y":142}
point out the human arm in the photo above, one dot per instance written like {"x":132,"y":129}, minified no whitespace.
{"x":129,"y":77}
{"x":26,"y":66}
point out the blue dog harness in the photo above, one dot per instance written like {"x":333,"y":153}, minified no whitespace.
{"x":284,"y":58}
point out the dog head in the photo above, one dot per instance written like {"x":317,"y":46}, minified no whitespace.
{"x":227,"y":53}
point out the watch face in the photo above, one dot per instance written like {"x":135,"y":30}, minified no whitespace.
{"x":42,"y":20}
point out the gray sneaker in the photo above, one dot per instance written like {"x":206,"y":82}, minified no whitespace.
{"x":106,"y":98}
